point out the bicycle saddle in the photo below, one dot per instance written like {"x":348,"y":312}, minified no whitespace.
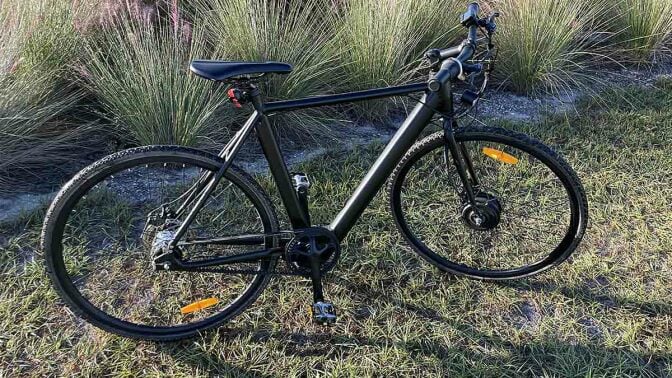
{"x":219,"y":70}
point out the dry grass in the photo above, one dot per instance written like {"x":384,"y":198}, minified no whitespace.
{"x":606,"y":312}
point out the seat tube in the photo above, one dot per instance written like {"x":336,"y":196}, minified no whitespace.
{"x":276,"y":163}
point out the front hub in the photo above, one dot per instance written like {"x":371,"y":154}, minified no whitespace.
{"x":485,"y":214}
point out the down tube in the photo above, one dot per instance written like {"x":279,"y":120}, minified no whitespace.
{"x":386,"y":162}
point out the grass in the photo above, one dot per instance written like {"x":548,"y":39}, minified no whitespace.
{"x":606,"y":312}
{"x":35,"y":98}
{"x":547,"y":45}
{"x":276,"y":30}
{"x":138,"y":73}
{"x":644,"y":28}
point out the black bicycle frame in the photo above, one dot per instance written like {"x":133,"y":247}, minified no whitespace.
{"x":378,"y":173}
{"x":430,"y":103}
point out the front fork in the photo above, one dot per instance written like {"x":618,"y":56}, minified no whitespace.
{"x":461,"y":159}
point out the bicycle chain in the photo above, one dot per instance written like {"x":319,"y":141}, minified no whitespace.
{"x":248,"y":271}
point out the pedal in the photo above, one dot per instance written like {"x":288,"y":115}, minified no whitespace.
{"x":324,"y":313}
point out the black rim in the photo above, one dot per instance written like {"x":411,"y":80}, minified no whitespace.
{"x":65,"y":283}
{"x":562,"y":250}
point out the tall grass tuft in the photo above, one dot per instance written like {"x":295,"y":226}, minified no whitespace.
{"x":645,"y":28}
{"x":548,"y":45}
{"x":36,"y":45}
{"x":139,"y":74}
{"x":52,"y":41}
{"x":295,"y":32}
{"x":381,"y":42}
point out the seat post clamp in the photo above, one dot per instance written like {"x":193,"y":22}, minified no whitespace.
{"x":236,"y":96}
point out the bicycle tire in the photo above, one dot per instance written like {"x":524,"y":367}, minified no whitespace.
{"x":534,"y":147}
{"x":54,"y":225}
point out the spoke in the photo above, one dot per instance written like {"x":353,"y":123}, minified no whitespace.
{"x":521,"y":215}
{"x":522,"y":236}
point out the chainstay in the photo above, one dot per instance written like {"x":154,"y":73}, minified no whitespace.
{"x":255,"y":272}
{"x":247,"y":271}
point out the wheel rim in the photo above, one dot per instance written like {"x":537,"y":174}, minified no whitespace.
{"x":429,"y":206}
{"x":108,"y":272}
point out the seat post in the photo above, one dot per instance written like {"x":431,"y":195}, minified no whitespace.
{"x":298,"y":216}
{"x":255,"y":96}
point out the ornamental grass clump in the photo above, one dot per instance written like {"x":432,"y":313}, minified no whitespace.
{"x":644,"y":28}
{"x":295,"y":32}
{"x":37,"y":137}
{"x":549,"y":45}
{"x":138,"y":72}
{"x":381,"y":42}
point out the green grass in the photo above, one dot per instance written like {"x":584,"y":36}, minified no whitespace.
{"x":548,"y":45}
{"x":605,"y":312}
{"x":644,"y":28}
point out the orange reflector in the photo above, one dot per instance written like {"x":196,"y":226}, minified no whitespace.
{"x":500,"y":155}
{"x":196,"y":306}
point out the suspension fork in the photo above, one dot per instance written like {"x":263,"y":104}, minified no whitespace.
{"x":461,"y":159}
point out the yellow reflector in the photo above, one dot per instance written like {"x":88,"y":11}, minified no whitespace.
{"x":500,"y":155}
{"x":196,"y":306}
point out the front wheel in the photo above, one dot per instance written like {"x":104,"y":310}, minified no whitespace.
{"x":530,"y":210}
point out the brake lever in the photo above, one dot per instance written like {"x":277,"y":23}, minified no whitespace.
{"x":490,"y":26}
{"x":491,"y":22}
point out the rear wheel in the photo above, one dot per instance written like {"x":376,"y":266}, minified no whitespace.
{"x":530,"y":212}
{"x":99,"y":230}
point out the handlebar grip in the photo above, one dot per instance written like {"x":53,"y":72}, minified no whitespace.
{"x":473,"y":7}
{"x":450,"y":52}
{"x":470,"y":18}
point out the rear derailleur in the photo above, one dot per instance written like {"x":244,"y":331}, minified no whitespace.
{"x":158,"y":234}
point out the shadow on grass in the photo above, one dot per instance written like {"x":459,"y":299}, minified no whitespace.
{"x":474,"y":352}
{"x":206,"y":363}
{"x":589,"y":294}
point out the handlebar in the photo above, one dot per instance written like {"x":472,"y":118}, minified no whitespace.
{"x":454,"y":58}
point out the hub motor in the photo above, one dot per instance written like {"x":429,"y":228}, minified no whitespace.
{"x":485,"y":215}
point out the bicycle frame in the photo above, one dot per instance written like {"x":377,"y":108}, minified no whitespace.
{"x":379,"y":171}
{"x":430,"y":103}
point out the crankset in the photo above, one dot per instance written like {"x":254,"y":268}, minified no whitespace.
{"x":313,"y":240}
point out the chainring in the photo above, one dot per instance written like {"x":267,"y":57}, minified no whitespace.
{"x":308,"y":241}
